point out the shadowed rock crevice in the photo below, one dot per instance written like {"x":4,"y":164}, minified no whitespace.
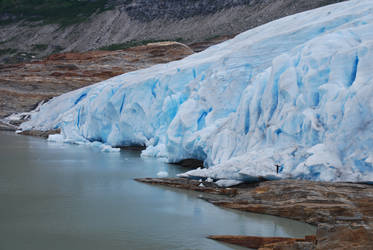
{"x":190,"y":163}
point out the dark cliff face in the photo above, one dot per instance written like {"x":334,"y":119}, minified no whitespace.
{"x":64,"y":12}
{"x":145,"y":10}
{"x":148,"y":10}
{"x":56,"y":11}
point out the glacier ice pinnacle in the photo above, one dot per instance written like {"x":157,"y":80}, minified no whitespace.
{"x":289,"y":99}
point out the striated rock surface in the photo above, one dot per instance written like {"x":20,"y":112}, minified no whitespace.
{"x":139,"y":20}
{"x":23,"y":86}
{"x":343,"y":212}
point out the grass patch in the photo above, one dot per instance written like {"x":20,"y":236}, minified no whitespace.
{"x":133,"y":43}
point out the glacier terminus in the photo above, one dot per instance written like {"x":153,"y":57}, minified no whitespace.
{"x":289,"y":99}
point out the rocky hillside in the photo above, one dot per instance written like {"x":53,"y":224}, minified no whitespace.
{"x":33,"y":29}
{"x":23,"y":86}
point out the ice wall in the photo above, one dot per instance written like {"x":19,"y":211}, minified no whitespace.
{"x":296,"y":93}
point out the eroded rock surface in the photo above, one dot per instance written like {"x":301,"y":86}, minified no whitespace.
{"x":343,"y":212}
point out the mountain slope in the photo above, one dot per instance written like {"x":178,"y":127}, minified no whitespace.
{"x":35,"y":33}
{"x":294,"y":94}
{"x":24,"y":85}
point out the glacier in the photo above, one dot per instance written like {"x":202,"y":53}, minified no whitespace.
{"x":294,"y":95}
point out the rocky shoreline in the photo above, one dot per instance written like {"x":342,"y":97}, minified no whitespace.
{"x":342,"y":212}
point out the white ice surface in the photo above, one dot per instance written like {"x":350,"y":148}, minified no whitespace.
{"x":56,"y":138}
{"x":296,"y":93}
{"x":162,"y":174}
{"x":228,"y":183}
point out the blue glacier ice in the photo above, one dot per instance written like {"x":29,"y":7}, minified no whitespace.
{"x":296,"y":93}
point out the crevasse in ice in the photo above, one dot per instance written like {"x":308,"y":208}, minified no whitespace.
{"x":294,"y":95}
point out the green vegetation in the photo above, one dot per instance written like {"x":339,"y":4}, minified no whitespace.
{"x":133,"y":43}
{"x":63,"y":12}
{"x":40,"y":47}
{"x":7,"y":51}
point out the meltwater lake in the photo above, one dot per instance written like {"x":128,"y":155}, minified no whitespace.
{"x":62,"y":196}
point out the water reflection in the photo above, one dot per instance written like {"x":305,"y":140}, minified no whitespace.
{"x":60,"y":196}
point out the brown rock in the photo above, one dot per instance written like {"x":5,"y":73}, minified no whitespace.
{"x":22,"y":86}
{"x":342,"y":211}
{"x":39,"y":133}
{"x":189,"y":184}
{"x":345,"y":237}
{"x":289,"y":245}
{"x":257,"y":242}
